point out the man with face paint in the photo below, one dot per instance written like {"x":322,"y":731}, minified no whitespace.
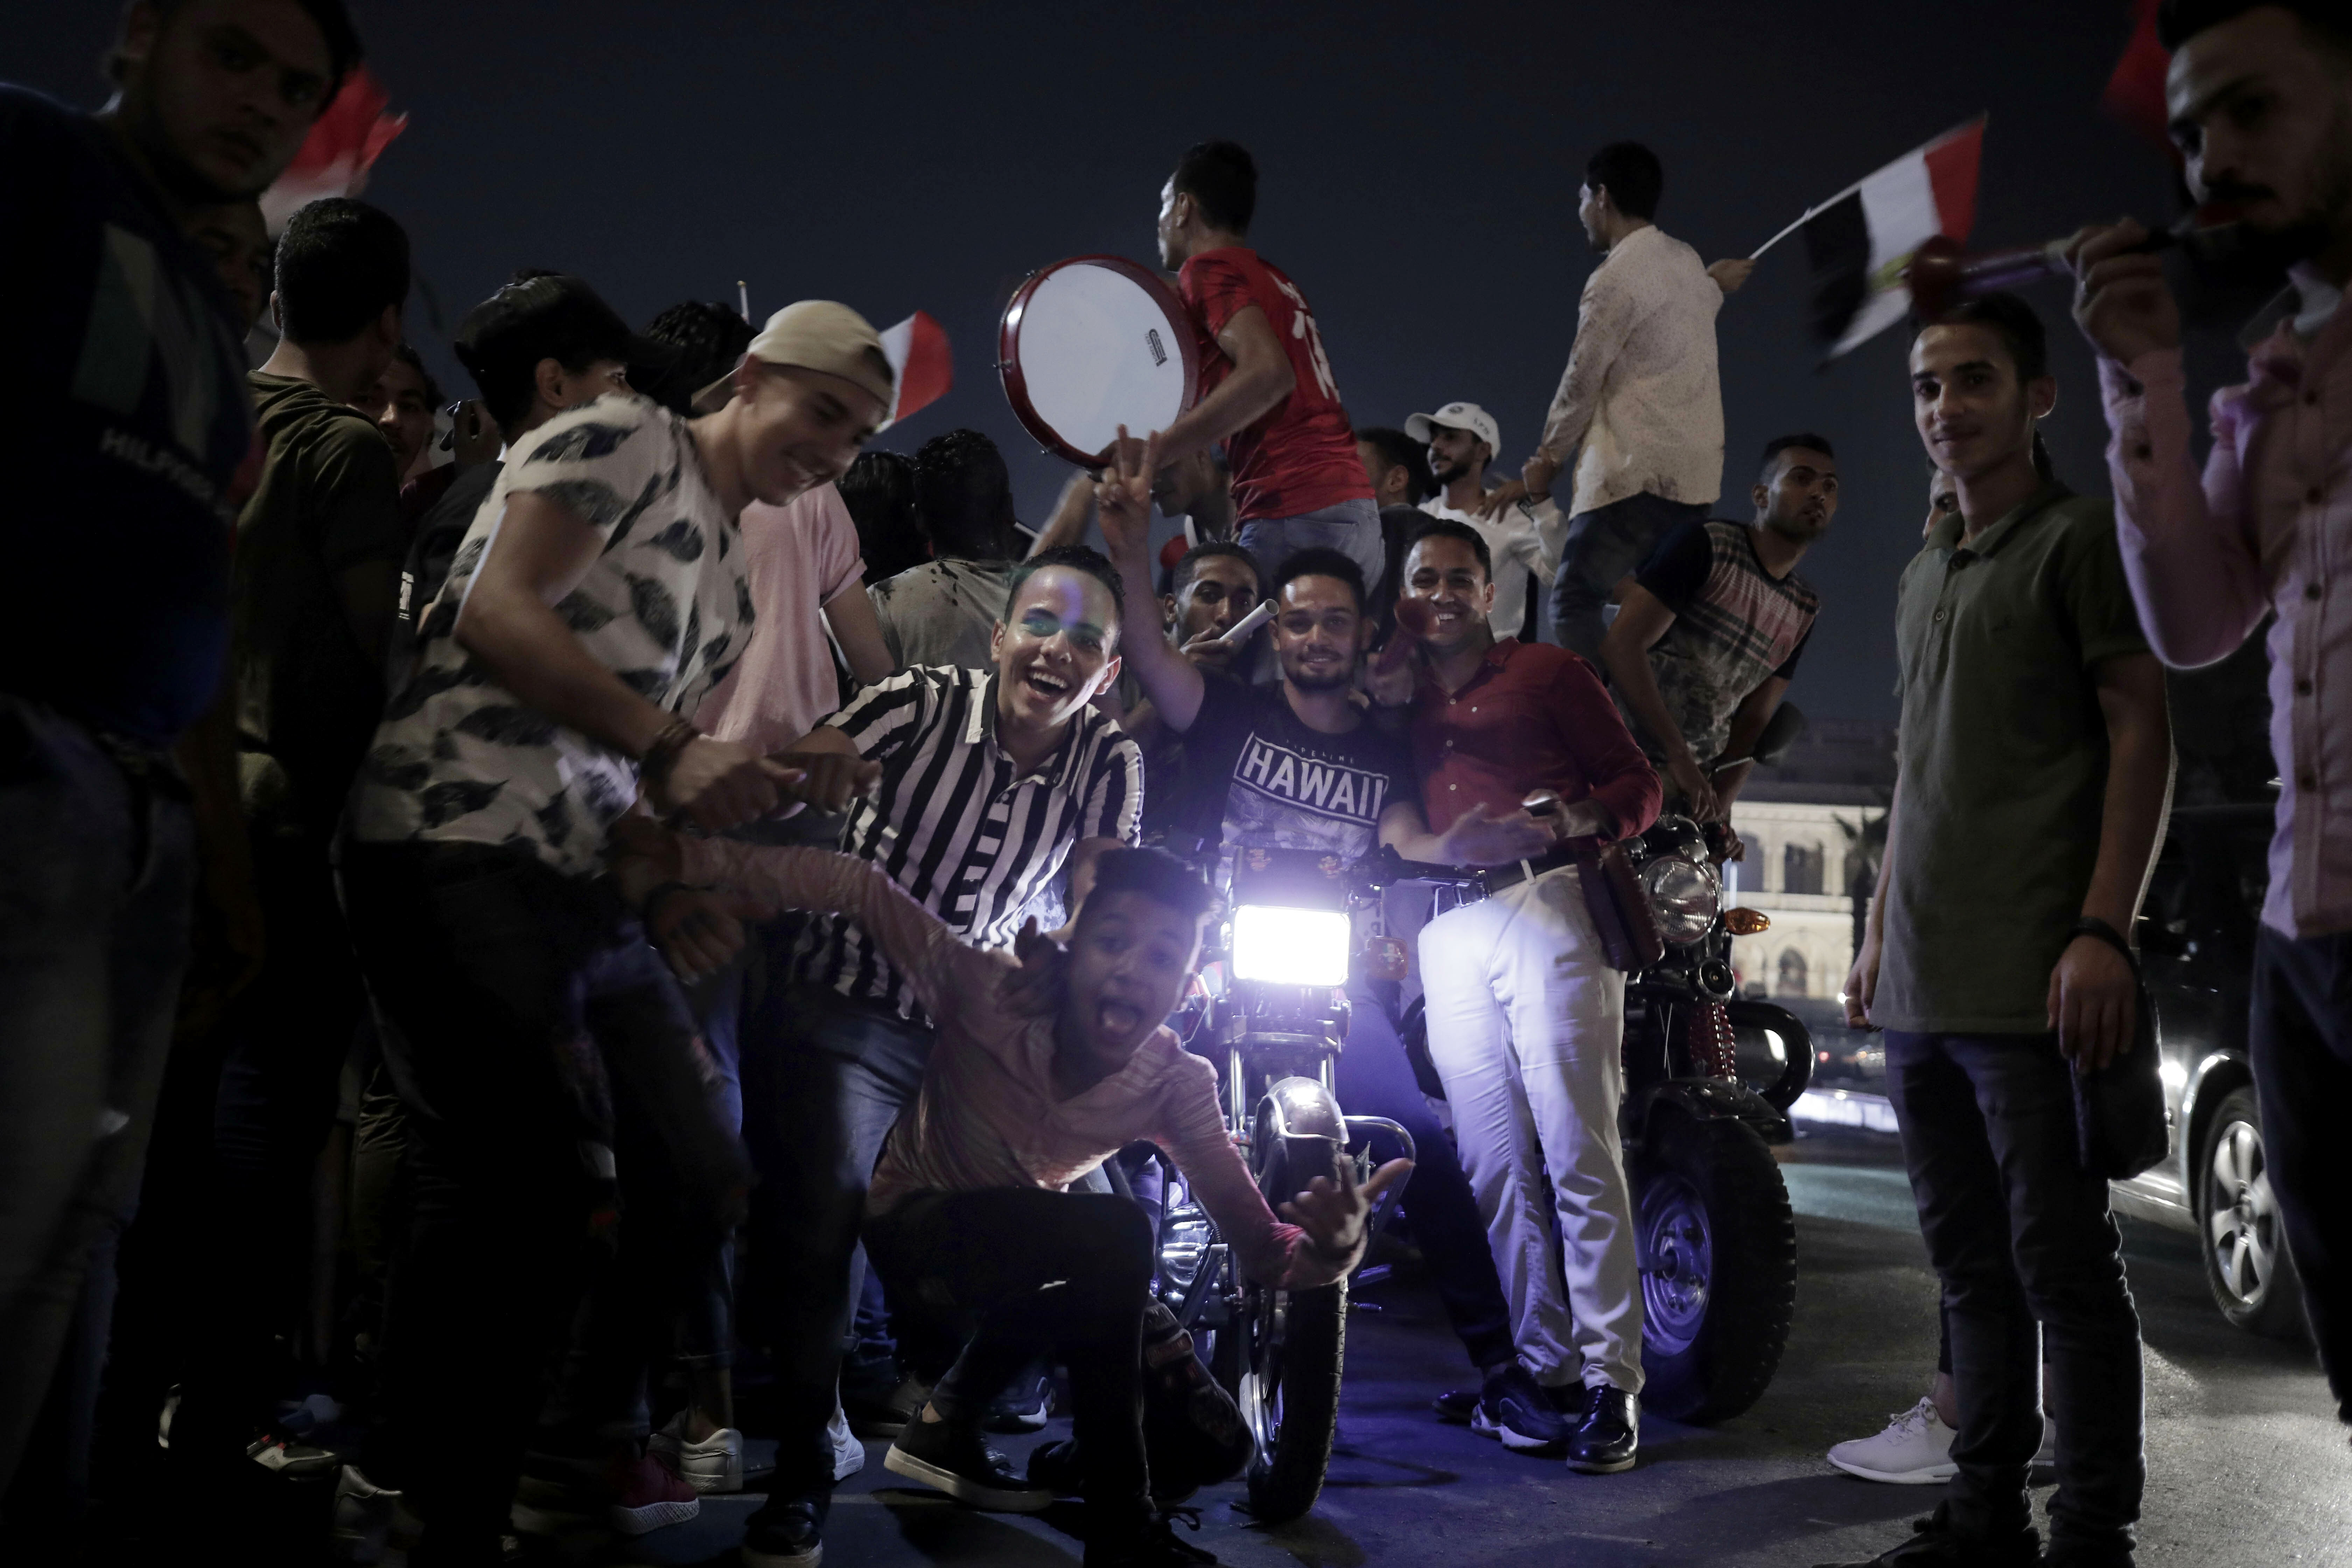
{"x":2260,"y":99}
{"x":971,"y":789}
{"x":127,"y":421}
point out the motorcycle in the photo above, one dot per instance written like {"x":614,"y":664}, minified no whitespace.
{"x":1269,"y":1008}
{"x":1709,"y":1077}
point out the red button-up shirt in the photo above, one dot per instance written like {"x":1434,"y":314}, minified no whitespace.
{"x":1533,"y":717}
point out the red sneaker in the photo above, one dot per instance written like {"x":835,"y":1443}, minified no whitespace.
{"x":646,"y":1495}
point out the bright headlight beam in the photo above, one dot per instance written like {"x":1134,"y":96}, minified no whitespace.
{"x":1290,"y":947}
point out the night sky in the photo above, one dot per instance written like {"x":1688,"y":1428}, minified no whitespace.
{"x":1418,"y":174}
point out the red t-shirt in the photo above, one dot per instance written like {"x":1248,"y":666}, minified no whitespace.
{"x":1301,"y":457}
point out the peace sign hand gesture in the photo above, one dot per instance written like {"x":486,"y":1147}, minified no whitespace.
{"x":1123,"y":497}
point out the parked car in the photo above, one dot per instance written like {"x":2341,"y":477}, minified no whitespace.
{"x":2196,"y":944}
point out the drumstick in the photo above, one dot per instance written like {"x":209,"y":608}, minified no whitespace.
{"x":1247,"y":627}
{"x":1415,"y":620}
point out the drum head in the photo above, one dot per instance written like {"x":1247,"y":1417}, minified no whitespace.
{"x":1090,"y":344}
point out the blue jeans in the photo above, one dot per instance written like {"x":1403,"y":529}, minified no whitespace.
{"x":1602,"y":545}
{"x":2303,"y":1072}
{"x":2021,"y":1237}
{"x":99,"y":872}
{"x":824,"y":1080}
{"x":1375,"y":1079}
{"x":1352,"y":528}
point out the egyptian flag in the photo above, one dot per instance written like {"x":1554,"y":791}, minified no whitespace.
{"x":1861,"y":239}
{"x":921,"y":369}
{"x":334,"y":159}
{"x":2135,"y":93}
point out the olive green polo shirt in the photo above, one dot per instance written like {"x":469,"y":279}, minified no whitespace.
{"x":2004,"y":762}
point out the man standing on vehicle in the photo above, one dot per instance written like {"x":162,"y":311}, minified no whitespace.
{"x":2036,"y":760}
{"x":1708,"y":636}
{"x":1293,"y":764}
{"x":1527,"y":1021}
{"x":1640,"y":404}
{"x":2259,"y":96}
{"x":1267,"y":390}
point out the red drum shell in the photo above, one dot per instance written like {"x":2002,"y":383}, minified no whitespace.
{"x":1093,"y":342}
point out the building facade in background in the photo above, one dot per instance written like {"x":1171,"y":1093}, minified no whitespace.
{"x":1814,"y":826}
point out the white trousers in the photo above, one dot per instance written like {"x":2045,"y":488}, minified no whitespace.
{"x":1526,"y":1027}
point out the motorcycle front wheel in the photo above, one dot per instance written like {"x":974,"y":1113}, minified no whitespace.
{"x":1291,"y":1345}
{"x":1718,"y":1256}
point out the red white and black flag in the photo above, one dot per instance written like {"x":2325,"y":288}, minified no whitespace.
{"x":335,"y":157}
{"x":921,"y":370}
{"x":1860,"y":240}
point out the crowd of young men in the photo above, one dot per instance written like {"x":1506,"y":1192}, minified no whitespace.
{"x":651,"y":878}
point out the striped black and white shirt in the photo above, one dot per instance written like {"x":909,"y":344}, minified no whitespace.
{"x":954,"y":825}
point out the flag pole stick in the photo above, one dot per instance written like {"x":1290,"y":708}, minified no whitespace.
{"x":1784,"y":234}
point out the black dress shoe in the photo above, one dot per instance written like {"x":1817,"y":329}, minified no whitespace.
{"x":1934,"y":1543}
{"x":1604,"y":1441}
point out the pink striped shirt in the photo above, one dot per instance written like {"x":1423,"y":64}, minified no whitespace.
{"x":2268,"y":530}
{"x":988,"y":1115}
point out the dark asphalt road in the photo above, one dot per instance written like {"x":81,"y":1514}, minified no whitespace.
{"x":2247,"y":1469}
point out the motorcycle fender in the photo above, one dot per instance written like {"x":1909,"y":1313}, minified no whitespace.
{"x":1299,"y":1131}
{"x":1703,"y":1099}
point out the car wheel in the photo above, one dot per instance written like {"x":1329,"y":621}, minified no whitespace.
{"x":2246,"y":1262}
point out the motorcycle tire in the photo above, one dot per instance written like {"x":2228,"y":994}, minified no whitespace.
{"x":1295,"y":1434}
{"x":1718,"y":1249}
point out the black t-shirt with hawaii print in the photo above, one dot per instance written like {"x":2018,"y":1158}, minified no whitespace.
{"x":1254,"y":775}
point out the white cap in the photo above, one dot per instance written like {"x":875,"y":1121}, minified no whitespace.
{"x":1458,"y":416}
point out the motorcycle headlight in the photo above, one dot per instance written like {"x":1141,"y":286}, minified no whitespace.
{"x":1684,"y":896}
{"x":1290,"y":947}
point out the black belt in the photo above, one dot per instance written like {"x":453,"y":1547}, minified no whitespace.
{"x":1510,"y":874}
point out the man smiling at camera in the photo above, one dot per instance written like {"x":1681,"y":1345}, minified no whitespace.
{"x":971,"y":789}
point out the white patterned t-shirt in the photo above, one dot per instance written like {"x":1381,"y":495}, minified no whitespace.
{"x":665,"y":607}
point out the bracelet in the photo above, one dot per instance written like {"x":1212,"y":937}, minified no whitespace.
{"x":655,"y":894}
{"x":663,"y":754}
{"x":2094,"y":927}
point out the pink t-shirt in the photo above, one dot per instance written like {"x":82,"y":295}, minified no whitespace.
{"x":798,"y":557}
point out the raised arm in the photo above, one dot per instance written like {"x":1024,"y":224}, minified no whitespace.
{"x":1071,"y":514}
{"x":1124,"y":501}
{"x":1261,"y":378}
{"x":2187,"y":550}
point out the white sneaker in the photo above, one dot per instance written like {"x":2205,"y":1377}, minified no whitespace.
{"x":373,"y":1524}
{"x":713,"y":1465}
{"x":848,"y":1453}
{"x":1916,"y":1450}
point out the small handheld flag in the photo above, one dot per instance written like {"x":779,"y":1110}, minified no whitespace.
{"x":921,"y":369}
{"x":1861,"y":239}
{"x":334,"y":159}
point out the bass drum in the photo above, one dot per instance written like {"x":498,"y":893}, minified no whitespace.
{"x":1092,"y":343}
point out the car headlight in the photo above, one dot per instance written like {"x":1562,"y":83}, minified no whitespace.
{"x":1684,"y":896}
{"x":1290,"y":947}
